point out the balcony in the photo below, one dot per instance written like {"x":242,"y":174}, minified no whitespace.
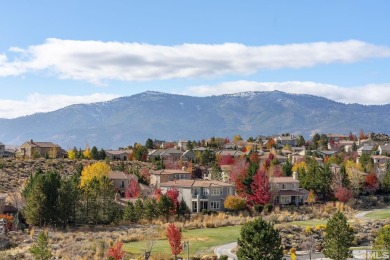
{"x":200,"y":196}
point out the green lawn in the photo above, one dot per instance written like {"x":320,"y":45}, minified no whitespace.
{"x":201,"y":241}
{"x":379,"y":214}
{"x":309,"y":223}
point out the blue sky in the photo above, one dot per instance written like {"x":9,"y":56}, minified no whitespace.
{"x":57,"y":53}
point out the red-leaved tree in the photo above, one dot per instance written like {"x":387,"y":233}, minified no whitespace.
{"x":372,"y":183}
{"x":260,"y":189}
{"x":115,"y":252}
{"x":157,"y":194}
{"x":225,"y":160}
{"x":173,"y":234}
{"x":238,"y":173}
{"x":173,"y":195}
{"x":343,"y":194}
{"x":133,"y":190}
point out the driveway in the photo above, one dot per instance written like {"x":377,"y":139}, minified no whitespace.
{"x":226,"y":250}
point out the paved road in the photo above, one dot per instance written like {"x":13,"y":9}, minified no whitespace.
{"x":226,"y":250}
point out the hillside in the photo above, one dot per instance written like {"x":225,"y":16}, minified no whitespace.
{"x":126,"y":120}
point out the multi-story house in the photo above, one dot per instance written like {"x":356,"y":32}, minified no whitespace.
{"x":285,"y":139}
{"x":285,"y":190}
{"x":164,"y":175}
{"x":41,"y":149}
{"x":201,"y":194}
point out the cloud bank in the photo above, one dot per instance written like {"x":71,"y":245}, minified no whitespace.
{"x":372,"y":94}
{"x":45,"y":103}
{"x":96,"y":61}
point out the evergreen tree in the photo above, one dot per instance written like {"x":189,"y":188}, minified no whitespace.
{"x":102,"y":154}
{"x":386,"y":182}
{"x":94,"y":153}
{"x":338,"y":237}
{"x":139,"y":209}
{"x":216,"y":173}
{"x":149,"y":144}
{"x":165,"y":206}
{"x":300,"y":141}
{"x":129,"y":213}
{"x":41,"y":250}
{"x":259,"y":240}
{"x":287,"y":168}
{"x":67,"y":200}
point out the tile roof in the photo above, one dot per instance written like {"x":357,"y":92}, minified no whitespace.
{"x":195,"y":183}
{"x":283,"y":180}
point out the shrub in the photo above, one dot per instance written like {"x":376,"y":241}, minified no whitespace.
{"x":268,"y":207}
{"x":223,"y":257}
{"x":258,"y":208}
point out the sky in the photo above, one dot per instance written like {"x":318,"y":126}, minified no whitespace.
{"x":57,"y":53}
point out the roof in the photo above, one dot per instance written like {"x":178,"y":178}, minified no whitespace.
{"x":171,"y":151}
{"x":1,"y":143}
{"x":385,"y":147}
{"x":233,"y":153}
{"x":283,"y":180}
{"x":195,"y":183}
{"x":117,"y":152}
{"x":168,"y":172}
{"x":337,"y":136}
{"x":117,"y":175}
{"x":42,"y":144}
{"x":366,"y":148}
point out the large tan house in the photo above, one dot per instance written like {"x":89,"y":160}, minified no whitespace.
{"x":164,"y":175}
{"x":285,"y":190}
{"x":33,"y":149}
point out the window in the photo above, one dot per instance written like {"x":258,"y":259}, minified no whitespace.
{"x":283,"y":186}
{"x":123,"y":184}
{"x":216,"y":192}
{"x":206,"y":191}
{"x":195,"y":191}
{"x":230,"y":189}
{"x":214,"y":205}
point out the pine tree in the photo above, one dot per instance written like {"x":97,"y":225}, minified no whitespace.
{"x":338,"y":237}
{"x":386,"y":182}
{"x":40,"y":250}
{"x":129,"y":212}
{"x":259,"y":240}
{"x":94,"y":153}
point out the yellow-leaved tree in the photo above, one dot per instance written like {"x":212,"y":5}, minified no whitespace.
{"x":71,"y":154}
{"x":299,"y":166}
{"x":97,"y":170}
{"x":87,"y":153}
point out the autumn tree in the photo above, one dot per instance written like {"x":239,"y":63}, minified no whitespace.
{"x":116,"y":252}
{"x":343,"y":194}
{"x":173,"y":195}
{"x":87,"y":153}
{"x":372,"y":183}
{"x":271,"y":143}
{"x":72,"y":154}
{"x":311,"y":198}
{"x":237,"y":138}
{"x":173,"y":234}
{"x":259,"y":241}
{"x":94,"y":171}
{"x":234,"y":203}
{"x":260,"y":188}
{"x":338,"y":237}
{"x":133,"y":190}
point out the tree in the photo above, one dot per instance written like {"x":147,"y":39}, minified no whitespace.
{"x":300,"y":141}
{"x":338,"y":237}
{"x":234,"y":203}
{"x":149,"y":144}
{"x":94,"y":171}
{"x":94,"y":153}
{"x":386,"y":182}
{"x":372,"y":183}
{"x":41,"y":250}
{"x":72,"y":154}
{"x":173,"y":195}
{"x":382,"y":241}
{"x":216,"y":173}
{"x":343,"y":194}
{"x":311,"y":197}
{"x":259,"y":240}
{"x":102,"y":154}
{"x":87,"y":153}
{"x":260,"y":189}
{"x":314,"y":141}
{"x":129,"y":213}
{"x":173,"y":234}
{"x":237,"y":138}
{"x":133,"y":190}
{"x":116,"y":252}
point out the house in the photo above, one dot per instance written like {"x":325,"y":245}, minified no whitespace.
{"x":2,"y":149}
{"x":285,"y":139}
{"x":365,"y":149}
{"x":121,"y":180}
{"x":122,"y":155}
{"x":188,"y":156}
{"x":33,"y":149}
{"x":155,"y":154}
{"x":171,"y":154}
{"x":201,"y":194}
{"x":384,"y":149}
{"x":228,"y":152}
{"x":165,"y":175}
{"x":380,"y":159}
{"x":285,"y":190}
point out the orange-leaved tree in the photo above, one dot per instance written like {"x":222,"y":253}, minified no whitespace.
{"x":174,"y":237}
{"x":115,"y":252}
{"x":96,"y":171}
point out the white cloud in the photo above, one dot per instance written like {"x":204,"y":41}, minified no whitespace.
{"x":96,"y":61}
{"x":45,"y":103}
{"x":372,"y":94}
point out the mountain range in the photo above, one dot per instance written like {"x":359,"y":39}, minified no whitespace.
{"x":123,"y":121}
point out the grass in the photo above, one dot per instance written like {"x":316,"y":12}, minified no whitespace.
{"x":201,"y":241}
{"x":308,"y":223}
{"x":379,"y":214}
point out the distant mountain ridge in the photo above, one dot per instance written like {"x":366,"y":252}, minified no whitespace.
{"x":125,"y":120}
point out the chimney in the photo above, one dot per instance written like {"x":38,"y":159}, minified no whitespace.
{"x":31,"y":141}
{"x":295,"y":175}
